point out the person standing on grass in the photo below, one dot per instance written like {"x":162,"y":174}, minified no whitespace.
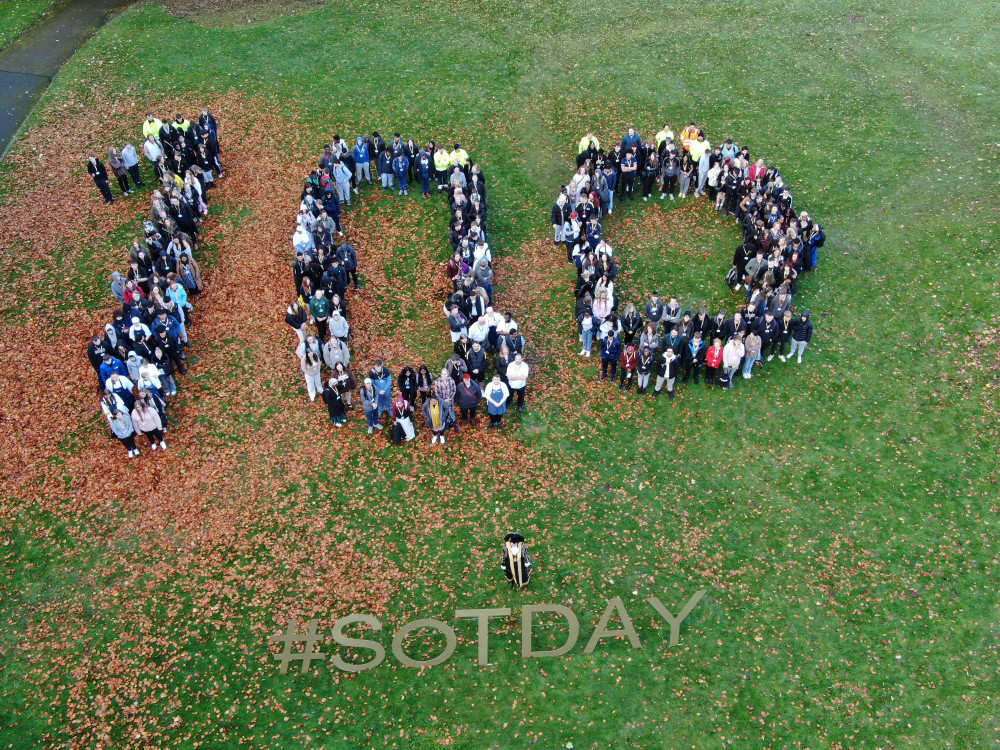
{"x":629,"y":169}
{"x":342,"y":178}
{"x":121,"y":427}
{"x":319,"y":311}
{"x":146,"y":419}
{"x":610,"y":352}
{"x":96,"y":169}
{"x":468,"y":394}
{"x":784,"y":335}
{"x":424,"y":168}
{"x":644,"y":368}
{"x":298,"y":320}
{"x":713,"y":361}
{"x":497,"y":397}
{"x":381,"y":378}
{"x":517,"y":379}
{"x":117,"y":164}
{"x":362,"y":161}
{"x":436,"y":415}
{"x":751,"y":353}
{"x":667,"y":367}
{"x":693,"y":356}
{"x":311,"y":366}
{"x":131,"y":159}
{"x":402,"y":413}
{"x":384,"y":162}
{"x":335,"y":403}
{"x":802,"y":331}
{"x":629,"y":360}
{"x":369,"y":404}
{"x":732,"y":355}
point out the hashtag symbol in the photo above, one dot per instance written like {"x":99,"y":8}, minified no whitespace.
{"x":290,"y":637}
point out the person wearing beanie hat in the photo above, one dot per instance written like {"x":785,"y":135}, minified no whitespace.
{"x":802,"y":331}
{"x":468,"y":394}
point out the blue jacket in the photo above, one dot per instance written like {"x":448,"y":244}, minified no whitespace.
{"x":361,"y":155}
{"x":400,"y":166}
{"x":116,"y":365}
{"x":611,"y":348}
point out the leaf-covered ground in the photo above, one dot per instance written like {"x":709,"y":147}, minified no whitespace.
{"x":841,"y":514}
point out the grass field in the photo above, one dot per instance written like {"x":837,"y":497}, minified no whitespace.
{"x":841,"y":514}
{"x":17,"y":16}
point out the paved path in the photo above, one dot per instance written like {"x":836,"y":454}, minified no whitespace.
{"x":28,"y":65}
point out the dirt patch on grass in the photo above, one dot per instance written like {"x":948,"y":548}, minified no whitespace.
{"x":232,"y":13}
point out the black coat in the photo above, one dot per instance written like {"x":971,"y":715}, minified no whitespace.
{"x":97,"y":170}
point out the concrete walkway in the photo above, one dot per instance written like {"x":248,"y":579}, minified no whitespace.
{"x":28,"y":65}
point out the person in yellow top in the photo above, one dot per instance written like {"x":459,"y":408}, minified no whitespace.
{"x":461,"y":157}
{"x":698,"y":147}
{"x":442,"y":161}
{"x":663,"y":135}
{"x":689,"y":135}
{"x":586,"y":142}
{"x":151,"y":127}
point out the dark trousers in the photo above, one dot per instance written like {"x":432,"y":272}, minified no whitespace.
{"x":628,"y":184}
{"x":496,"y":418}
{"x":128,"y":442}
{"x":519,"y":392}
{"x":710,"y":373}
{"x":690,"y":368}
{"x":322,"y":326}
{"x":134,"y":173}
{"x":154,"y":436}
{"x":609,"y":365}
{"x":105,"y":189}
{"x":468,"y":415}
{"x":123,"y":182}
{"x":670,"y":185}
{"x":625,"y":381}
{"x":647,"y":185}
{"x":352,"y":275}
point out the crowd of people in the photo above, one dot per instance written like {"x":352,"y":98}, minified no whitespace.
{"x":487,"y":362}
{"x":140,"y":353}
{"x":663,"y":341}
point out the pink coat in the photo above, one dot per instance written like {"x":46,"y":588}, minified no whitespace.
{"x":151,"y":422}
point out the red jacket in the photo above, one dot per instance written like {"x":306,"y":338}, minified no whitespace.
{"x":713,"y":357}
{"x":628,"y":360}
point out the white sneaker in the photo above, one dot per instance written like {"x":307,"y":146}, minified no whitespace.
{"x":379,"y":427}
{"x":800,"y":359}
{"x":770,"y":357}
{"x":400,"y":192}
{"x":371,"y":430}
{"x":746,"y":376}
{"x":583,"y":352}
{"x":645,"y":198}
{"x":356,"y":191}
{"x":153,"y":447}
{"x":163,"y":445}
{"x":442,"y":440}
{"x":782,"y":357}
{"x":340,"y":234}
{"x":671,"y":196}
{"x":662,"y":196}
{"x":339,"y":424}
{"x":588,"y":354}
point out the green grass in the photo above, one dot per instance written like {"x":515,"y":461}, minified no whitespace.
{"x":842,"y":513}
{"x":17,"y":16}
